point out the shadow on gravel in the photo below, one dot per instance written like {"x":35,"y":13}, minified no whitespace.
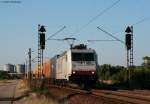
{"x":20,"y":97}
{"x":12,"y":98}
{"x":6,"y":98}
{"x":62,"y":99}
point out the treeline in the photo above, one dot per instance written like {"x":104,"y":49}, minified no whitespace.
{"x":3,"y":75}
{"x":137,"y":77}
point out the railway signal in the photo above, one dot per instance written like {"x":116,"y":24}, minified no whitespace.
{"x":129,"y":45}
{"x":128,"y":41}
{"x":42,"y":41}
{"x":42,"y":37}
{"x":128,"y":38}
{"x":41,"y":47}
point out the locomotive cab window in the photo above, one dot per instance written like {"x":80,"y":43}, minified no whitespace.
{"x":82,"y":56}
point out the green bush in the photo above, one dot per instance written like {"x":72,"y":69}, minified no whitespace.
{"x":139,"y":76}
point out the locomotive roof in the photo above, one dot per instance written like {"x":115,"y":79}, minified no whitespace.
{"x":75,"y":50}
{"x":78,"y":48}
{"x":83,"y":50}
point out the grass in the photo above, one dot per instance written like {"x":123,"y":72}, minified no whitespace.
{"x":35,"y":99}
{"x":41,"y":91}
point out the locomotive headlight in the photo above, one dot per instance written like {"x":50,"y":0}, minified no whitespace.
{"x":93,"y":72}
{"x":73,"y":72}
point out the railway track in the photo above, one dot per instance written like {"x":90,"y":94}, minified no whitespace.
{"x":86,"y":96}
{"x":112,"y":97}
{"x":123,"y":97}
{"x":137,"y":92}
{"x":76,"y":90}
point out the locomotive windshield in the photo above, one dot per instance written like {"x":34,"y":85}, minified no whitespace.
{"x":82,"y":56}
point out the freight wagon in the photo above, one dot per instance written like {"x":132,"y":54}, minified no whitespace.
{"x":46,"y":70}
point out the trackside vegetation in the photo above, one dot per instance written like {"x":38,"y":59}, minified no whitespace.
{"x":137,"y":77}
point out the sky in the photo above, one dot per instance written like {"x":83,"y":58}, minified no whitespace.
{"x":19,"y":28}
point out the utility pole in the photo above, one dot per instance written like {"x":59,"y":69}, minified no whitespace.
{"x":26,"y":69}
{"x":29,"y":71}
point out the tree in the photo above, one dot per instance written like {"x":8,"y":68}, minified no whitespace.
{"x":146,"y":61}
{"x":106,"y":71}
{"x":103,"y":71}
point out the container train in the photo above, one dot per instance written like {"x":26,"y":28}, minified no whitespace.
{"x":77,"y":65}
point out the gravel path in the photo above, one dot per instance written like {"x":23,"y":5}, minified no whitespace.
{"x":7,"y":91}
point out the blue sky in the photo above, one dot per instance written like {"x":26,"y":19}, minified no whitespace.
{"x":18,"y":27}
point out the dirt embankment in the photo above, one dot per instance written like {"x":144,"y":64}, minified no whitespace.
{"x":58,"y":95}
{"x":68,"y":97}
{"x":24,"y":95}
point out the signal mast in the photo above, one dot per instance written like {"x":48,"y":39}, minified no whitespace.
{"x":129,"y":45}
{"x":41,"y":47}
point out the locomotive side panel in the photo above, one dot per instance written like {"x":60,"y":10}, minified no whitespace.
{"x":63,"y":70}
{"x":69,"y":64}
{"x":59,"y":68}
{"x":53,"y":67}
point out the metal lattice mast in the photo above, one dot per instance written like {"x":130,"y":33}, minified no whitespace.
{"x":42,"y":47}
{"x":131,"y":50}
{"x":128,"y":60}
{"x":42,"y":67}
{"x":129,"y":47}
{"x":39,"y":52}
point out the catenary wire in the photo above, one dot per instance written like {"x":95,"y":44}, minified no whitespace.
{"x":98,"y":15}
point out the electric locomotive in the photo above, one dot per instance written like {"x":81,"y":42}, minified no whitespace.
{"x":77,"y":65}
